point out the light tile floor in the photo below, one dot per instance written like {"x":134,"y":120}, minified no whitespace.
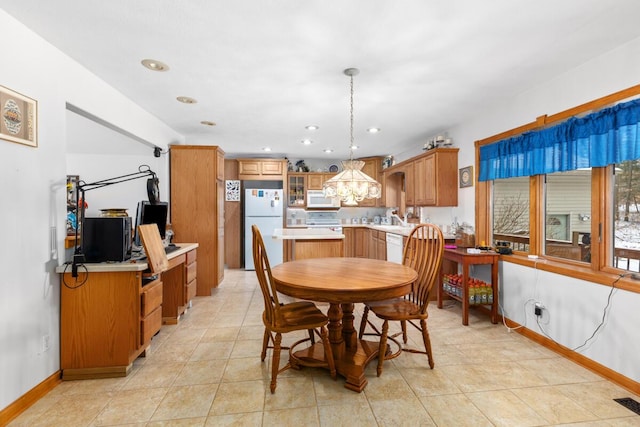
{"x":206,"y":371}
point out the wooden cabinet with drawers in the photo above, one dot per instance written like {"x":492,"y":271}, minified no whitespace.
{"x":107,"y":320}
{"x":179,"y":282}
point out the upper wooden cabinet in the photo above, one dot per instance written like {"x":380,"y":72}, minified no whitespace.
{"x":261,"y":169}
{"x":436,"y":178}
{"x":296,"y":189}
{"x":430,"y":179}
{"x":372,"y":167}
{"x":315,"y":180}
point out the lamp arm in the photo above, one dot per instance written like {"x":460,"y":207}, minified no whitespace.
{"x":82,"y":187}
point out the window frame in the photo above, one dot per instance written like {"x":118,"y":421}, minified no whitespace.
{"x":601,"y":215}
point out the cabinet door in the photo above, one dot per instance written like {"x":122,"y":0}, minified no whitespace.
{"x":296,"y":191}
{"x":275,"y":167}
{"x":381,"y":246}
{"x":315,"y":181}
{"x":249,"y":167}
{"x":425,"y":191}
{"x":361,"y":247}
{"x":409,"y":184}
{"x":349,"y":241}
{"x":371,"y":169}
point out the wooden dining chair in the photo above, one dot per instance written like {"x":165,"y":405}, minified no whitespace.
{"x":423,"y":252}
{"x":279,"y":318}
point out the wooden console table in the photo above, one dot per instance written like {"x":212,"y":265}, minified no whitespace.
{"x":461,"y":256}
{"x":111,"y":311}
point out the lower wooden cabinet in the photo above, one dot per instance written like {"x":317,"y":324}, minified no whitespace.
{"x":179,"y":282}
{"x":107,"y":320}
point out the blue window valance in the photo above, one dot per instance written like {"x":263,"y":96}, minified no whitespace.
{"x":611,"y":135}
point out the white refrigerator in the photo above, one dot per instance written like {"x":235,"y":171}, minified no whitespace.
{"x":264,"y":208}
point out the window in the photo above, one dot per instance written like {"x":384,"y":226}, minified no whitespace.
{"x":511,"y":212}
{"x":626,"y":216}
{"x":568,"y":215}
{"x":567,"y":188}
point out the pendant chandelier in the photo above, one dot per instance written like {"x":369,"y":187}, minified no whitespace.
{"x":352,"y":185}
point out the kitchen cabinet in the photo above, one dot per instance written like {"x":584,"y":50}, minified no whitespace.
{"x":179,"y":286}
{"x":436,"y":178}
{"x":197,"y":208}
{"x":377,"y":245}
{"x":430,"y":179}
{"x":356,"y":242}
{"x":381,"y":246}
{"x":296,"y":189}
{"x":361,"y":242}
{"x":261,"y":169}
{"x":372,"y":167}
{"x":316,"y":180}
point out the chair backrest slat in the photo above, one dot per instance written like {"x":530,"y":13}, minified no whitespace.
{"x":423,"y":252}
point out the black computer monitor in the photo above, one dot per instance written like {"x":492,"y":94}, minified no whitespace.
{"x":151,"y":213}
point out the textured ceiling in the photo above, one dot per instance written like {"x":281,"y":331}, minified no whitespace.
{"x":264,"y":69}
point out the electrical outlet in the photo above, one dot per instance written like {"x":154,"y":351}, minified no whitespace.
{"x":538,"y":308}
{"x":45,"y":342}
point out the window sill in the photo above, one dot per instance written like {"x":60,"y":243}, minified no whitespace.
{"x":577,"y":271}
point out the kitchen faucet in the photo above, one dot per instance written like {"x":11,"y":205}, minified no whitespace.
{"x":403,"y":222}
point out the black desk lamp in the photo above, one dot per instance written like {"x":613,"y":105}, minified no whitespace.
{"x":153,"y":193}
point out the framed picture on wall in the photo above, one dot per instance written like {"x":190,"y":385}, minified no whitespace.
{"x":19,"y":118}
{"x":466,"y":177}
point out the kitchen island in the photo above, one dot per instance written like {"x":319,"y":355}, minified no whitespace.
{"x":302,"y":243}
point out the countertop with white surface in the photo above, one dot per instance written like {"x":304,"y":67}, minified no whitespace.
{"x":306,"y":234}
{"x":129,"y":265}
{"x":395,"y":229}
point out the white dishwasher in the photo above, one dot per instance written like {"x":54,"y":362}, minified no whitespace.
{"x":394,"y":247}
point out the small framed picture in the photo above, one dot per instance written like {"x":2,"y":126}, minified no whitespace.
{"x":466,"y":177}
{"x":232,"y":193}
{"x":19,"y":118}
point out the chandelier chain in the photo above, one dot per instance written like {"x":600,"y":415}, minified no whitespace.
{"x":351,"y":120}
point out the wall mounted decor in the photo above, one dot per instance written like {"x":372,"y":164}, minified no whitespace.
{"x":232,"y":193}
{"x":466,"y":177}
{"x":19,"y":121}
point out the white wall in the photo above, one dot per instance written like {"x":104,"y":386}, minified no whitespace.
{"x":574,"y":307}
{"x":33,"y":199}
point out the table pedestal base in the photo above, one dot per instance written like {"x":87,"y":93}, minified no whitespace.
{"x":350,"y":362}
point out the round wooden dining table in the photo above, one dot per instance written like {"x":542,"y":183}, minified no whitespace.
{"x":342,"y":282}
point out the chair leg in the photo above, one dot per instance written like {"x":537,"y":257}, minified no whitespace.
{"x":328,"y":352}
{"x":265,"y":344}
{"x":427,"y":341}
{"x":383,"y":345}
{"x":275,"y":361}
{"x":312,"y":336}
{"x":403,"y":323}
{"x":363,"y":322}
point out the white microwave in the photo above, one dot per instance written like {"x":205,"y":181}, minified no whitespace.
{"x":317,"y":199}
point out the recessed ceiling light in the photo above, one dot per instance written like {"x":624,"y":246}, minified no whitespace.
{"x":207,"y":123}
{"x":312,"y":127}
{"x":307,"y":141}
{"x":154,"y":65}
{"x":328,"y":150}
{"x":373,"y":130}
{"x":354,"y":147}
{"x":266,"y":149}
{"x":187,"y":100}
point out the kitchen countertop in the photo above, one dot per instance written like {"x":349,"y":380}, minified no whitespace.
{"x":129,"y":265}
{"x":299,"y":233}
{"x":395,"y":229}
